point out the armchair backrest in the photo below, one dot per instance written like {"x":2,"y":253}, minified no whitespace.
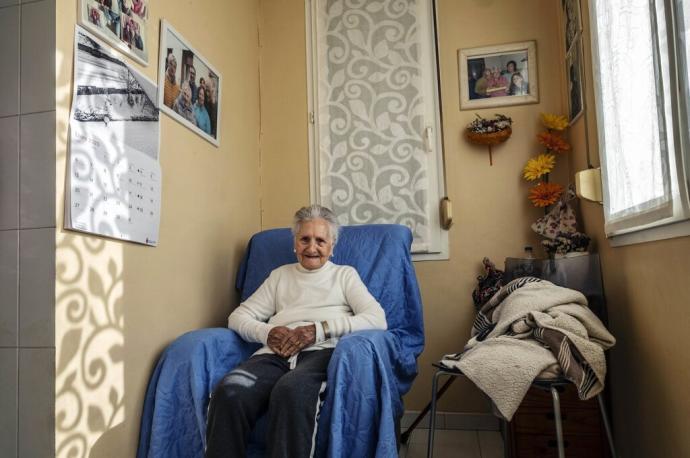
{"x":381,"y":255}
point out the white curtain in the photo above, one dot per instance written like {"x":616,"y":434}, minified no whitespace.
{"x":641,"y":160}
{"x":631,"y":113}
{"x":682,"y":8}
{"x":373,"y":151}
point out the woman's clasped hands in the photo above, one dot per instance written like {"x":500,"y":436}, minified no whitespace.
{"x":287,"y":342}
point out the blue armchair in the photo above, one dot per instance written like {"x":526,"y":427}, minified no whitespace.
{"x":368,"y":374}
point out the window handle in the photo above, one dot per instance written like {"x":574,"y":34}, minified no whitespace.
{"x":428,"y":136}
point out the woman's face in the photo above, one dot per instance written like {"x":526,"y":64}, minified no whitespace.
{"x":313,"y":244}
{"x":517,"y":80}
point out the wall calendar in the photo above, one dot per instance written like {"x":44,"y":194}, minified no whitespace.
{"x":114,"y":174}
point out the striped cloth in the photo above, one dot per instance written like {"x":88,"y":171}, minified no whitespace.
{"x":529,"y":327}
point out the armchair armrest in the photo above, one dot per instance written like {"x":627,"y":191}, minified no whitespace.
{"x":367,"y":376}
{"x":387,"y":349}
{"x":174,"y":412}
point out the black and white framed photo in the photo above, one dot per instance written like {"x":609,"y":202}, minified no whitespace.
{"x":496,"y":76}
{"x":121,"y":23}
{"x":189,"y":88}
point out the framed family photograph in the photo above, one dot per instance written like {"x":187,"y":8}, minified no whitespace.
{"x":189,"y":88}
{"x":121,"y":23}
{"x":496,"y":76}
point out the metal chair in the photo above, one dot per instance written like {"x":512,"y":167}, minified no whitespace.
{"x":580,"y":273}
{"x":551,"y":385}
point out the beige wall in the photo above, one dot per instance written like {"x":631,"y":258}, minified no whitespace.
{"x":648,"y":298}
{"x":489,"y":202}
{"x":284,"y":140}
{"x":119,"y":304}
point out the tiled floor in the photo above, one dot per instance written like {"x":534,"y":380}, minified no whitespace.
{"x":455,"y":444}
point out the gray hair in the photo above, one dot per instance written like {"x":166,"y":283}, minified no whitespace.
{"x":313,"y":212}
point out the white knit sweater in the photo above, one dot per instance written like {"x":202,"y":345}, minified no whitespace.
{"x":294,"y":296}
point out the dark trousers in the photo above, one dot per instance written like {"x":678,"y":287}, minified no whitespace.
{"x":266,"y":383}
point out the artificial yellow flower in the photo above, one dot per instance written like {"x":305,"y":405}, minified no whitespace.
{"x":538,"y":166}
{"x":545,"y":194}
{"x":555,"y":122}
{"x":553,"y":142}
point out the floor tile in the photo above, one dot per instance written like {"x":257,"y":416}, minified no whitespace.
{"x":416,"y":451}
{"x":466,"y":439}
{"x":447,"y":443}
{"x":419,"y":435}
{"x":471,"y":421}
{"x":409,"y":417}
{"x":443,"y":451}
{"x":491,"y":444}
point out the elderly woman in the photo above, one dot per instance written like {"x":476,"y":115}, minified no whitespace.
{"x":298,"y":314}
{"x":201,"y":117}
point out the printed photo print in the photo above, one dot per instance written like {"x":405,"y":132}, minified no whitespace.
{"x":189,"y":87}
{"x":122,"y":23}
{"x":498,"y":75}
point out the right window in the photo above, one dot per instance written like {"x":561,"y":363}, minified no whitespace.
{"x":640,"y":53}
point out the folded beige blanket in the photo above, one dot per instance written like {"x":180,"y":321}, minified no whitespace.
{"x":526,"y":328}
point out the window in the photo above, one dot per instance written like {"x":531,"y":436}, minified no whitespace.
{"x":375,"y":146}
{"x":640,"y":53}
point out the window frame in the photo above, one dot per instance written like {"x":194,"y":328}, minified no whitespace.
{"x":677,"y":225}
{"x":436,"y":166}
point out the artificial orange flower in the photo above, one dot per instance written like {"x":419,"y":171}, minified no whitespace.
{"x":538,"y":166}
{"x":553,"y":142}
{"x":545,"y":194}
{"x":554,"y":122}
